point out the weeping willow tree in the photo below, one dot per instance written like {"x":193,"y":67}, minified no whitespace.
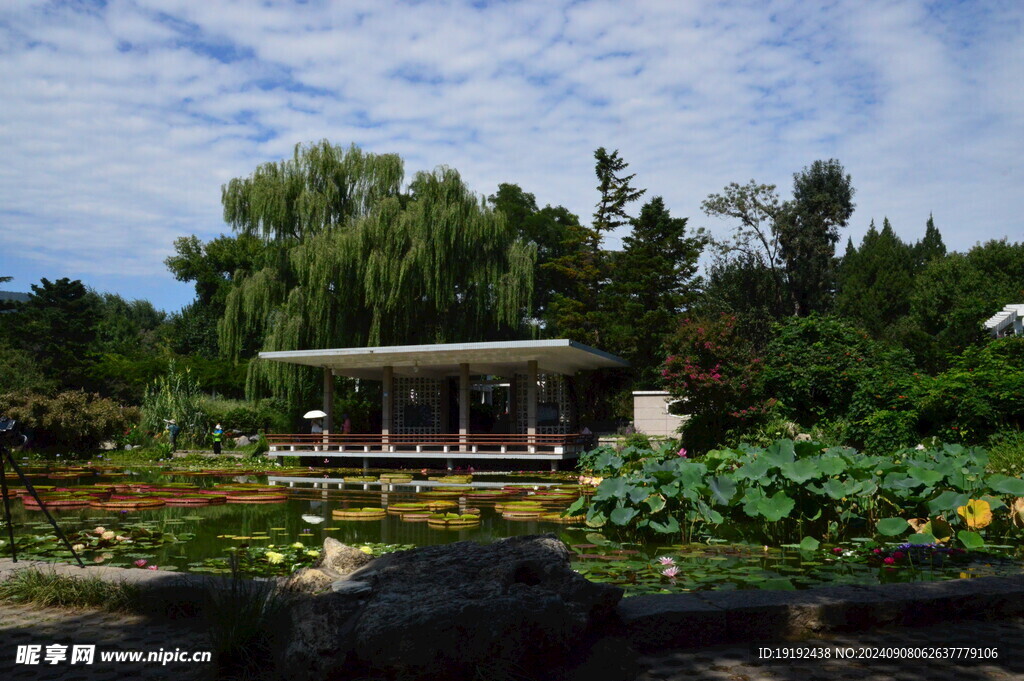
{"x":358,"y":262}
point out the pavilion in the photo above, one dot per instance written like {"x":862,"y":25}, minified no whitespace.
{"x":418,"y":382}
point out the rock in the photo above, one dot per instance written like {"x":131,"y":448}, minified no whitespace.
{"x":307,"y":580}
{"x":802,"y":437}
{"x":128,"y":448}
{"x":340,"y":559}
{"x":347,"y":586}
{"x":109,"y":445}
{"x":464,"y":610}
{"x":242,"y":441}
{"x":456,"y":612}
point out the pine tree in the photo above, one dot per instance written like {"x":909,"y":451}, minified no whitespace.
{"x":931,"y":246}
{"x":876,"y":281}
{"x":652,"y":281}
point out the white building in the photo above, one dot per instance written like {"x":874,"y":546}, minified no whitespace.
{"x":1007,"y":322}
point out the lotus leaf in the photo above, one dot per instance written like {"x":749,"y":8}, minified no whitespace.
{"x":977,"y":513}
{"x":892,"y":527}
{"x":1006,"y":485}
{"x":971,"y":540}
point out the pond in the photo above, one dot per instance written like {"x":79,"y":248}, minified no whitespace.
{"x":270,"y":525}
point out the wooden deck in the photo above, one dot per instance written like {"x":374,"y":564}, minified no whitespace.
{"x":450,"y":447}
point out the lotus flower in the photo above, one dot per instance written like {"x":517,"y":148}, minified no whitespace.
{"x":682,"y":452}
{"x":366,"y":549}
{"x":666,"y":560}
{"x":898,"y":555}
{"x":152,"y":567}
{"x":141,"y":562}
{"x":99,"y":530}
{"x":837,"y":550}
{"x":889,"y":560}
{"x":274,"y":557}
{"x":313,"y":554}
{"x":670,"y":572}
{"x":298,"y":545}
{"x":108,"y":535}
{"x":78,"y":547}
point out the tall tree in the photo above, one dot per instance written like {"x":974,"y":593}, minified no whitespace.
{"x":554,"y":231}
{"x":362,"y":265}
{"x":808,"y":230}
{"x":584,"y":265}
{"x":875,"y":281}
{"x":652,"y":281}
{"x":57,"y":327}
{"x":752,"y":250}
{"x":931,"y":246}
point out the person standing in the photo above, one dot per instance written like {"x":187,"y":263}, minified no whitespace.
{"x":172,"y":433}
{"x":218,"y":435}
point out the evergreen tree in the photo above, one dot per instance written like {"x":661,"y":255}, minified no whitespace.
{"x":56,"y":326}
{"x":931,"y":246}
{"x":875,"y":282}
{"x":808,"y":229}
{"x":652,"y":281}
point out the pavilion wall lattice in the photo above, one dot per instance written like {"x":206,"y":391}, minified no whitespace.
{"x":417,"y":405}
{"x":554,"y":408}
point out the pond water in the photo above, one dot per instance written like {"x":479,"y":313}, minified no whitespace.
{"x":274,"y":537}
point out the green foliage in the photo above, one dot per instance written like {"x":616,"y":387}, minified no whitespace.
{"x":72,"y":420}
{"x":790,"y":491}
{"x":1006,"y":453}
{"x":176,"y":395}
{"x":815,"y":365}
{"x":19,"y":372}
{"x":268,"y":415}
{"x":982,"y":392}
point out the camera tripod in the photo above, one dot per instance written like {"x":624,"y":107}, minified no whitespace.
{"x":7,"y":432}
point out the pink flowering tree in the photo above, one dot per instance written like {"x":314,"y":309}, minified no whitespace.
{"x":712,"y":370}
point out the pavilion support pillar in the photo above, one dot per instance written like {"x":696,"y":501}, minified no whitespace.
{"x":446,"y":401}
{"x":531,"y":405}
{"x":387,"y":400}
{"x":463,"y":406}
{"x":513,"y":404}
{"x":328,"y":400}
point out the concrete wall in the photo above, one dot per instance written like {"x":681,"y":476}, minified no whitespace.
{"x":650,"y":413}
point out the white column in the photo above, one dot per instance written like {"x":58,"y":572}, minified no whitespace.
{"x":463,"y":405}
{"x":328,"y":400}
{"x":387,"y":401}
{"x":531,"y":402}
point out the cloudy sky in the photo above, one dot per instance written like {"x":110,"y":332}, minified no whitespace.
{"x":120,"y":120}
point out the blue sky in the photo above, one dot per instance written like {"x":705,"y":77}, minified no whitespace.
{"x":120,"y":120}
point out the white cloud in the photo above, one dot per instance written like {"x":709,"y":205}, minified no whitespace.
{"x":120,"y":122}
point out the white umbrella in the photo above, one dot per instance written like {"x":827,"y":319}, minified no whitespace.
{"x":315,"y":414}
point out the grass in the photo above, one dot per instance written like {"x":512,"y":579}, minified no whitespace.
{"x":49,"y":589}
{"x":1006,"y":453}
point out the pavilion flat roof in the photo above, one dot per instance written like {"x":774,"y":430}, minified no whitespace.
{"x":499,"y":358}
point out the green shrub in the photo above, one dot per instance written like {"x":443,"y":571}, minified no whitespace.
{"x":72,"y":420}
{"x":1006,"y":453}
{"x":267,"y":415}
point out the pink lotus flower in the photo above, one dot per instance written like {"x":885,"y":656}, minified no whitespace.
{"x":667,"y":560}
{"x":889,"y":560}
{"x":877,"y":551}
{"x":837,"y":550}
{"x":670,"y":572}
{"x":141,"y":562}
{"x":898,"y":555}
{"x":682,"y":452}
{"x":152,"y":567}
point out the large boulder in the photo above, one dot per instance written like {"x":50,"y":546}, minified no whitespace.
{"x":456,"y":611}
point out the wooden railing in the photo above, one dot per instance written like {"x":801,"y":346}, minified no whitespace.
{"x":500,"y":443}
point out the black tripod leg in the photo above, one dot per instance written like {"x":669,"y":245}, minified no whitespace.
{"x":7,"y":506}
{"x":32,"y":491}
